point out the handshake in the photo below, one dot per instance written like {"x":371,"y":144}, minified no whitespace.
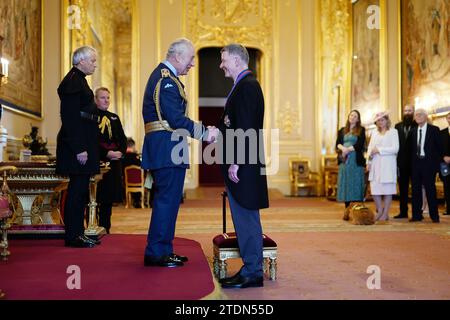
{"x":212,"y":134}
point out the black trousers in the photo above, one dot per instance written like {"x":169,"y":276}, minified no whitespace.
{"x":104,"y":215}
{"x":77,"y":198}
{"x":446,"y":181}
{"x":403,"y":183}
{"x":422,"y":174}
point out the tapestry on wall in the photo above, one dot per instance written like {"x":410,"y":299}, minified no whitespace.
{"x":425,"y":35}
{"x":366,"y":62}
{"x":20,"y":28}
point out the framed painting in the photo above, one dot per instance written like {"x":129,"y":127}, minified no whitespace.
{"x":425,"y":42}
{"x":366,"y":62}
{"x":21,"y":30}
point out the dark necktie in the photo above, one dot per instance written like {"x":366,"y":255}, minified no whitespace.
{"x":419,"y":145}
{"x":406,"y":130}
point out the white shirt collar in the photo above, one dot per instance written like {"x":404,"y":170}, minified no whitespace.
{"x":171,"y":67}
{"x":424,"y":128}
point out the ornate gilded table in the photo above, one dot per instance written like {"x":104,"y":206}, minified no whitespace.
{"x":36,"y":185}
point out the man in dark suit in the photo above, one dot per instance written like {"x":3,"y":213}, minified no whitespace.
{"x":445,"y":137}
{"x":77,"y":143}
{"x":243,"y":164}
{"x":426,"y":156}
{"x":165,"y":151}
{"x":404,"y":129}
{"x":131,"y":158}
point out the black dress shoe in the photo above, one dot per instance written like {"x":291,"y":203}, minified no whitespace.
{"x":436,"y":220}
{"x":447,"y":214}
{"x":401,"y":216}
{"x":230,"y":279}
{"x":86,"y":238}
{"x":164,"y":261}
{"x":79,"y":242}
{"x":175,"y":256}
{"x":416,"y":219}
{"x":241,"y":282}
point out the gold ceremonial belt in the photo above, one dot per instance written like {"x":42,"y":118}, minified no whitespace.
{"x":156,"y":126}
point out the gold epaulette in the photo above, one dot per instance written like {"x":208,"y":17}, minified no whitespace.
{"x":165,"y":73}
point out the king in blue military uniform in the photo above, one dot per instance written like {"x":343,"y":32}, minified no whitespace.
{"x":165,"y":150}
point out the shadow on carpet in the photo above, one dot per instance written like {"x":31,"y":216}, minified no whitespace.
{"x":38,"y":270}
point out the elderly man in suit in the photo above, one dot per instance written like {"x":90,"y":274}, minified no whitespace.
{"x":445,"y":137}
{"x":404,"y":129}
{"x":245,"y":179}
{"x":426,"y":156}
{"x":165,"y":150}
{"x":77,"y":154}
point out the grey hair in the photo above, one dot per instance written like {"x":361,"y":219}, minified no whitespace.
{"x":82,"y":53}
{"x":178,"y":46}
{"x":237,"y":50}
{"x":422,"y":111}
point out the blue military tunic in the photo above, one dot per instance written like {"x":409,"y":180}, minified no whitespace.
{"x":158,"y":146}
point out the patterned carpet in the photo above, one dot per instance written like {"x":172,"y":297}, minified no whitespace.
{"x":320,"y":255}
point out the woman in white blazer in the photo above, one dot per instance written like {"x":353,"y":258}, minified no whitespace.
{"x":382,"y":164}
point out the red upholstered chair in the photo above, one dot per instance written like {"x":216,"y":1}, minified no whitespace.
{"x":225,"y":246}
{"x":134,"y":182}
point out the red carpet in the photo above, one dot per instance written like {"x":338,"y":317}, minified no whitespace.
{"x":37,"y":270}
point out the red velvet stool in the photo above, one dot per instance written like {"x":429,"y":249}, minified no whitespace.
{"x":225,"y":246}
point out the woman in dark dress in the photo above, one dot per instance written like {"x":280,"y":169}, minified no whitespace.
{"x":350,"y":146}
{"x":113,"y":145}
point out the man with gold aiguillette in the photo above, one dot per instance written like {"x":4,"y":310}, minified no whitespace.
{"x":165,"y":150}
{"x":112,"y":147}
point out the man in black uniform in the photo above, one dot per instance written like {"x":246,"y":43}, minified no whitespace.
{"x":113,"y":145}
{"x":77,"y":143}
{"x":404,"y":129}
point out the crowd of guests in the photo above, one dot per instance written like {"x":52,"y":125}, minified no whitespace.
{"x":413,"y":151}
